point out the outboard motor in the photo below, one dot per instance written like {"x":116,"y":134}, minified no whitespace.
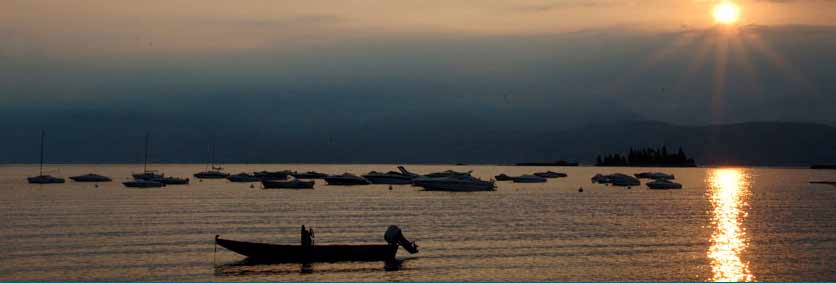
{"x":394,"y":236}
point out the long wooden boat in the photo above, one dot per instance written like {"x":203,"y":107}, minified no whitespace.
{"x":321,"y":253}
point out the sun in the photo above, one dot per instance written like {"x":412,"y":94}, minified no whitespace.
{"x":726,"y":13}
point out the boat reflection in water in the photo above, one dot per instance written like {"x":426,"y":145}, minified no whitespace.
{"x":728,"y":193}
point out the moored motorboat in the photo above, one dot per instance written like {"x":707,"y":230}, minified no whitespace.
{"x":143,"y":183}
{"x":832,"y":183}
{"x":454,"y":183}
{"x":45,"y":179}
{"x":147,"y":175}
{"x":448,"y":173}
{"x":503,"y":177}
{"x":346,"y":179}
{"x":243,"y":178}
{"x":550,"y":174}
{"x":273,"y":253}
{"x":172,"y":180}
{"x":91,"y":178}
{"x":308,"y":175}
{"x":292,"y":184}
{"x":663,"y":184}
{"x":391,"y":177}
{"x":272,"y":175}
{"x":654,"y":175}
{"x":530,"y":179}
{"x":211,"y":174}
{"x":616,"y":179}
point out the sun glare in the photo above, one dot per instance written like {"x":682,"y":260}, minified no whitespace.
{"x":726,"y":13}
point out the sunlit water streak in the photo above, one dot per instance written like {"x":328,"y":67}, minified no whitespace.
{"x":729,"y":189}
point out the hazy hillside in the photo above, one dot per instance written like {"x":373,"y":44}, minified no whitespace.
{"x":757,"y":143}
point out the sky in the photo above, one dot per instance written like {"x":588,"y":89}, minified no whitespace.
{"x":313,"y":71}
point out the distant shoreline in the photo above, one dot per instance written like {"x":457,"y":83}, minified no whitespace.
{"x":807,"y":167}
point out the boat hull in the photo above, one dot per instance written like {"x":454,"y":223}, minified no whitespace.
{"x":288,"y":184}
{"x":143,"y":185}
{"x":90,"y":179}
{"x":211,"y":175}
{"x":388,"y":180}
{"x":315,"y":253}
{"x":346,"y":181}
{"x":45,"y":180}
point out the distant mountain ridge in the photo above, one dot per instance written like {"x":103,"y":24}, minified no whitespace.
{"x":750,"y":143}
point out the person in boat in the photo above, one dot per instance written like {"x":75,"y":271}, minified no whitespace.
{"x":307,"y":237}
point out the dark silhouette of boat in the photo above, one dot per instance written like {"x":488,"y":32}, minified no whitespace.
{"x":173,"y":180}
{"x":832,"y":183}
{"x":212,"y":171}
{"x":503,"y":177}
{"x":143,"y":183}
{"x":308,"y":175}
{"x":550,"y":174}
{"x":321,"y":253}
{"x":823,"y":166}
{"x":243,"y":178}
{"x":392,"y":178}
{"x":272,"y":175}
{"x":448,"y":173}
{"x":42,"y":178}
{"x":215,"y":173}
{"x":91,"y":178}
{"x":530,"y":179}
{"x":346,"y":179}
{"x":292,"y":184}
{"x":150,"y":178}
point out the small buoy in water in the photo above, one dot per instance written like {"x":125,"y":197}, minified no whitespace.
{"x":390,"y":187}
{"x":252,"y":186}
{"x":628,"y":187}
{"x":580,"y":190}
{"x":96,"y":185}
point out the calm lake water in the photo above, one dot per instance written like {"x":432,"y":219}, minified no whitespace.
{"x":726,"y":224}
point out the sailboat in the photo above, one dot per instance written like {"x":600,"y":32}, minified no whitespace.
{"x":212,"y":171}
{"x":150,"y":178}
{"x":146,"y":179}
{"x":41,"y":178}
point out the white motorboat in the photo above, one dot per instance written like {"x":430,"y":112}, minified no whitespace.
{"x":529,"y":179}
{"x":454,"y":183}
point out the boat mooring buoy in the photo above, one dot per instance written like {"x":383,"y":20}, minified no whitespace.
{"x":580,"y":190}
{"x":252,"y":186}
{"x":390,"y":187}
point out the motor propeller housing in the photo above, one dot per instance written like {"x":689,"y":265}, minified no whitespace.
{"x":394,"y":236}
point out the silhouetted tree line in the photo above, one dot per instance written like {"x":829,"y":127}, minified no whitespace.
{"x":647,"y":157}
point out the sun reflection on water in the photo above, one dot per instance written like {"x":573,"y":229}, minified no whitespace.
{"x":729,"y":189}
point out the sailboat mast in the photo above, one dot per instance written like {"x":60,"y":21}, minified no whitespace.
{"x":43,"y":133}
{"x":145,"y":165}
